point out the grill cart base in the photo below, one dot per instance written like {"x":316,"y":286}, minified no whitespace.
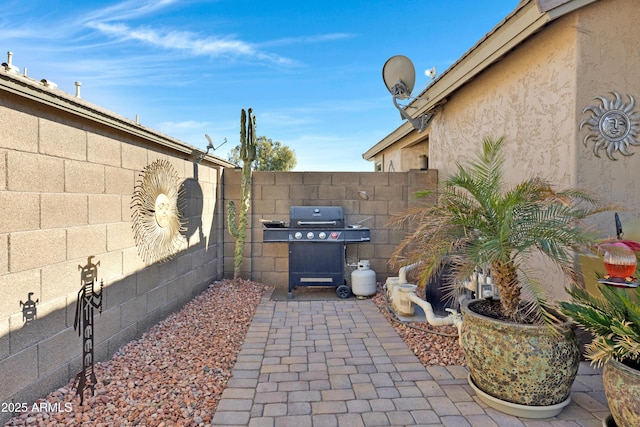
{"x":317,"y":243}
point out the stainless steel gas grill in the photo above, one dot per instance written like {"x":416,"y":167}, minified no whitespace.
{"x":317,"y":239}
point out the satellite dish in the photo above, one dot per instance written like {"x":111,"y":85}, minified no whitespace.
{"x":399,"y":76}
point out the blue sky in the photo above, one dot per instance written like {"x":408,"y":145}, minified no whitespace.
{"x":311,"y":70}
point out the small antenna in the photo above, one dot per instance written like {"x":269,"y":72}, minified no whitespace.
{"x":8,"y":66}
{"x":199,"y":155}
{"x":210,"y":146}
{"x":431,"y":73}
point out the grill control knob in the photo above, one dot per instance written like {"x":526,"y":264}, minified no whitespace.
{"x":298,"y":235}
{"x":322,"y":235}
{"x":310,"y":235}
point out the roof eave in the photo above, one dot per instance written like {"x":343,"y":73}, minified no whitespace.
{"x":526,"y":19}
{"x":400,"y":132}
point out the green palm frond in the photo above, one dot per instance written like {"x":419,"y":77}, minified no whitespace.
{"x":477,"y":221}
{"x":613,"y":317}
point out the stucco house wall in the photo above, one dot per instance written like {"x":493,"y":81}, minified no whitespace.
{"x":409,"y":153}
{"x":534,"y":94}
{"x":608,"y":60}
{"x":535,"y":97}
{"x":528,"y":98}
{"x":67,"y":176}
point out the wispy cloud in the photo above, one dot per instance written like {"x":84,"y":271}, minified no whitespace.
{"x":187,"y":41}
{"x":319,"y":38}
{"x":129,"y":9}
{"x":118,"y":23}
{"x":109,"y":21}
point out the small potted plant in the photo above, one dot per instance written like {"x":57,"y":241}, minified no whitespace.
{"x":613,"y":317}
{"x":522,"y":358}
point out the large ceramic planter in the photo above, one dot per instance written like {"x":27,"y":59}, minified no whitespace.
{"x":622,"y":388}
{"x":523,"y":365}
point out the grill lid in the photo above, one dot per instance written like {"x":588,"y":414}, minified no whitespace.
{"x":316,"y":217}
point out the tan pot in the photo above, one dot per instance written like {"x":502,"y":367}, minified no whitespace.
{"x":622,"y":388}
{"x":517,"y":363}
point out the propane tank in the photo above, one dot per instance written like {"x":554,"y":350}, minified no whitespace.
{"x":363,"y":280}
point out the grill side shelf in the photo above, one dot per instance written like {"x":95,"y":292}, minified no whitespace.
{"x":274,"y":235}
{"x":354,"y":235}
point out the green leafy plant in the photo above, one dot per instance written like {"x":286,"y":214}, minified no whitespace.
{"x":270,"y":155}
{"x":237,"y":222}
{"x":478,"y":222}
{"x":613,"y":317}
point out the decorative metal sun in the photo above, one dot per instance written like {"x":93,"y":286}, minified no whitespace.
{"x":157,"y":203}
{"x":614,"y":126}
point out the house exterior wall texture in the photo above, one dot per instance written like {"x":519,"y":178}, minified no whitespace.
{"x":535,"y":97}
{"x":608,"y":58}
{"x":528,"y":98}
{"x":405,"y":154}
{"x":66,"y":187}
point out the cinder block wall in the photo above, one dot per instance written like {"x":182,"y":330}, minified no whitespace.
{"x":273,"y":193}
{"x":67,"y":175}
{"x":66,"y":185}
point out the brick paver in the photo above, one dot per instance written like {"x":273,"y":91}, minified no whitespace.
{"x":340,"y":363}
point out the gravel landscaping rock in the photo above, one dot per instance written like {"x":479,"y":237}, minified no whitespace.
{"x":174,"y":374}
{"x":434,"y":345}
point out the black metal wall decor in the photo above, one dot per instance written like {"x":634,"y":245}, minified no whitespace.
{"x":157,"y":202}
{"x":88,"y":300}
{"x":29,"y":310}
{"x":613,"y":126}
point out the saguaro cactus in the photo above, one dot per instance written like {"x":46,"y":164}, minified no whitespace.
{"x":237,"y":224}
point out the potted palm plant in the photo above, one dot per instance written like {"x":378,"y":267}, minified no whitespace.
{"x":522,"y":357}
{"x":613,"y":317}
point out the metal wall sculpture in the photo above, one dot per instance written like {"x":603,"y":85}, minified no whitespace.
{"x":613,"y":126}
{"x":157,"y":203}
{"x":29,"y":310}
{"x":88,"y":300}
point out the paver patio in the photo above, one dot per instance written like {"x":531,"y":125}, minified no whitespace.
{"x":340,"y":363}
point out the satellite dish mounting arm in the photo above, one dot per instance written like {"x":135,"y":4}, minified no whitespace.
{"x":419,"y":123}
{"x":399,"y":76}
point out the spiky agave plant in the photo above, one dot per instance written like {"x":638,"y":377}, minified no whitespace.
{"x":613,"y":317}
{"x":477,"y":221}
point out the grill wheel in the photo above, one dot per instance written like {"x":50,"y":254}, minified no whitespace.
{"x":343,"y":291}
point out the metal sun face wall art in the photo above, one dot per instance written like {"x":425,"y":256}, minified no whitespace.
{"x":157,"y":203}
{"x":613,"y":126}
